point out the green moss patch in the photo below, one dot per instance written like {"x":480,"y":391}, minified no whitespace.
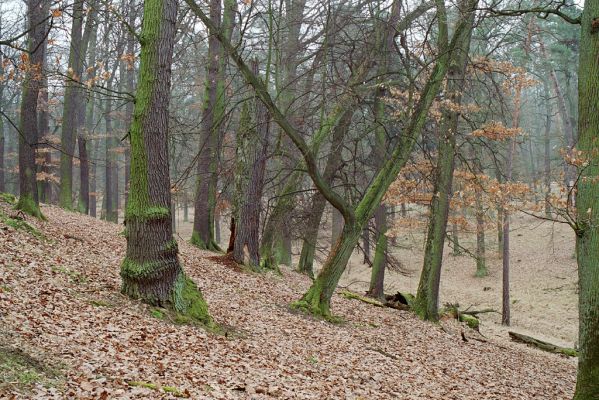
{"x":18,"y":223}
{"x":20,"y":371}
{"x":8,"y":198}
{"x":173,"y":391}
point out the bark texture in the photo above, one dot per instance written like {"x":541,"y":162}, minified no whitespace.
{"x":37,"y":11}
{"x":587,"y":204}
{"x":151,"y":270}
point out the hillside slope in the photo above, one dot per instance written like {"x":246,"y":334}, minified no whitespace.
{"x":65,"y":323}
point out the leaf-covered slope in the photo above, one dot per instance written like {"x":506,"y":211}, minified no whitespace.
{"x":60,"y":302}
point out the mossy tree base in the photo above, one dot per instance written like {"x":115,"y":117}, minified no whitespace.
{"x":182,"y":296}
{"x":210,"y":245}
{"x":30,"y":207}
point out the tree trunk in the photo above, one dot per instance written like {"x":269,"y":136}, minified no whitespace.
{"x":587,"y":204}
{"x":379,"y":264}
{"x":306,"y":262}
{"x":252,"y":146}
{"x":37,"y":11}
{"x":481,"y":264}
{"x":212,"y":119}
{"x":547,"y":148}
{"x":366,"y":243}
{"x":151,"y":270}
{"x":70,"y":110}
{"x":427,"y":297}
{"x":110,"y":172}
{"x":86,"y":116}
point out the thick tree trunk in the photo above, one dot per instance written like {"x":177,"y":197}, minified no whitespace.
{"x":427,"y":297}
{"x":252,"y":146}
{"x":587,"y":204}
{"x":151,"y":270}
{"x":37,"y":11}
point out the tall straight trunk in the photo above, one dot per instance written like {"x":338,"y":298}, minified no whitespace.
{"x":70,"y":111}
{"x":37,"y":11}
{"x":151,"y":270}
{"x":110,"y":169}
{"x":587,"y":204}
{"x":547,"y":150}
{"x":2,"y":186}
{"x":427,"y":297}
{"x":505,"y":315}
{"x":506,"y":311}
{"x":86,"y":115}
{"x":481,"y":262}
{"x":252,"y":145}
{"x":93,"y":184}
{"x":212,"y":120}
{"x":2,"y":140}
{"x":129,"y":87}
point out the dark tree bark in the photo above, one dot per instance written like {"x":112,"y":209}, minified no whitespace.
{"x":86,"y":113}
{"x":151,"y":270}
{"x":70,"y":114}
{"x":203,"y":235}
{"x":252,"y":145}
{"x":37,"y":11}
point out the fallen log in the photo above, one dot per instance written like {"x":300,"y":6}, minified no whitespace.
{"x":390,"y":301}
{"x":551,"y":348}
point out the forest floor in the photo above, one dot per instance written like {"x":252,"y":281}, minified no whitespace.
{"x":67,"y":332}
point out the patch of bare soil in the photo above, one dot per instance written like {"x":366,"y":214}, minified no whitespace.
{"x":61,"y":301}
{"x":543,"y":279}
